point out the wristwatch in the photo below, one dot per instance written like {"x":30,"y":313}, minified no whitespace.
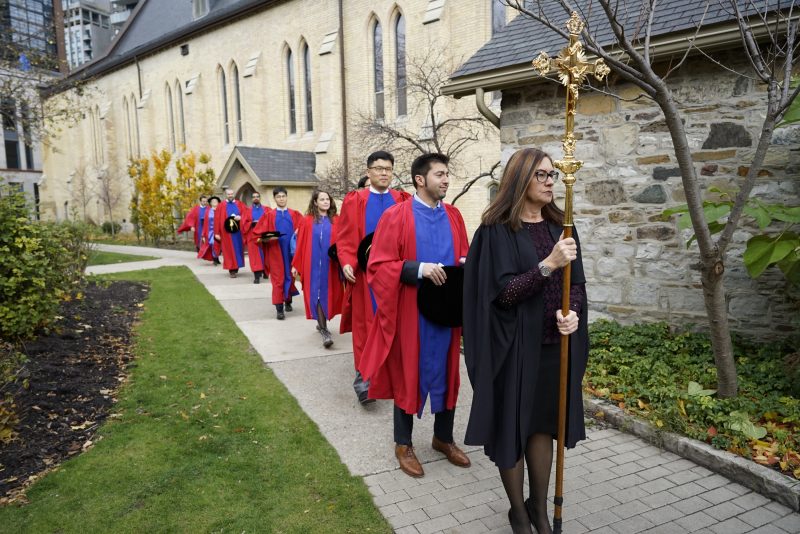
{"x":545,"y":270}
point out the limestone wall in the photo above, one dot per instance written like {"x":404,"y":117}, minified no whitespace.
{"x":108,"y":135}
{"x":638,"y":267}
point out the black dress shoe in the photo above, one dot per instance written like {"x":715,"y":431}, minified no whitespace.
{"x":257,"y":281}
{"x":532,"y":515}
{"x":327,"y":339}
{"x":516,"y":529}
{"x":287,"y":306}
{"x":363,"y":398}
{"x":281,"y":316}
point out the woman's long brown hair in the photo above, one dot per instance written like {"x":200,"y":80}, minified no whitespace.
{"x":507,"y":206}
{"x":312,"y":205}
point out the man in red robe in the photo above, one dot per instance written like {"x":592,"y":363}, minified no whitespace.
{"x":408,"y":357}
{"x":194,"y":221}
{"x":255,"y":250}
{"x":277,"y":253}
{"x":361,"y":211}
{"x":232,"y":241}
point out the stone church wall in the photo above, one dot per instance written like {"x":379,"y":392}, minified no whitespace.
{"x":638,"y":266}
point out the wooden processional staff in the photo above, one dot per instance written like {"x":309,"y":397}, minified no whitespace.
{"x":572,"y":69}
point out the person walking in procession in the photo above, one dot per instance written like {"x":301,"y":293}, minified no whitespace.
{"x":283,"y":222}
{"x":323,"y":285}
{"x":194,"y":221}
{"x":361,"y":211}
{"x":408,"y":357}
{"x":209,"y":240}
{"x":229,"y":228}
{"x":255,"y":250}
{"x":512,"y":331}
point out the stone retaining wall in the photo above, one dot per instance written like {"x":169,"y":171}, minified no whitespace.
{"x":638,"y":267}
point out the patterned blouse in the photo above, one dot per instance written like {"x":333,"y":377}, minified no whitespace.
{"x":525,"y":285}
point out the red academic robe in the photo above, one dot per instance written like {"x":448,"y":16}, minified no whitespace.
{"x":391,"y":355}
{"x":206,"y":248}
{"x":274,"y":256}
{"x":351,"y":229}
{"x":191,"y":221}
{"x":302,"y":262}
{"x":251,"y":240}
{"x":228,"y":252}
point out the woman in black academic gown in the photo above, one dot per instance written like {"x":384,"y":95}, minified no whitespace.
{"x":512,"y":328}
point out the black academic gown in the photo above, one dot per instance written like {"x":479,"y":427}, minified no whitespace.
{"x":502,"y":346}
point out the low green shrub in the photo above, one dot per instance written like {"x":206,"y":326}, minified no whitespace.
{"x":111,"y":228}
{"x":669,"y":378}
{"x":40,"y":263}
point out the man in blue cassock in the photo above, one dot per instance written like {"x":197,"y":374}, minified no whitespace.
{"x":228,"y":221}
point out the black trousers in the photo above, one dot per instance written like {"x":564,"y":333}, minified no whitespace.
{"x":279,"y":307}
{"x":404,"y":426}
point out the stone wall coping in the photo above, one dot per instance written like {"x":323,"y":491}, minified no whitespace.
{"x":758,"y":478}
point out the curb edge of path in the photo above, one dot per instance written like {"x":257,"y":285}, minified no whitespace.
{"x":758,"y":478}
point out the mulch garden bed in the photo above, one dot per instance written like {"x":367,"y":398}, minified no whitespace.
{"x":73,"y":373}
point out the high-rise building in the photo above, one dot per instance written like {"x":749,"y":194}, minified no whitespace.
{"x":27,"y":26}
{"x":87,"y":29}
{"x":120,"y":13}
{"x":29,"y":53}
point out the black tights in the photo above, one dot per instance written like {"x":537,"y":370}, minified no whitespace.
{"x":322,"y":321}
{"x":539,"y":457}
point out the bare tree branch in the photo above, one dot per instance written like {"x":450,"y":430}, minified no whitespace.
{"x":691,"y":46}
{"x":722,"y":65}
{"x":471,"y":182}
{"x":649,"y":31}
{"x":20,"y":88}
{"x":619,"y":66}
{"x":445,"y":129}
{"x":753,"y":52}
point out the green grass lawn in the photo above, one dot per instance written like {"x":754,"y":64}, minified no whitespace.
{"x":100,"y":257}
{"x":207,"y":439}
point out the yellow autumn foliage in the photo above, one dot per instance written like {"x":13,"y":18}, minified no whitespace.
{"x":159,"y":201}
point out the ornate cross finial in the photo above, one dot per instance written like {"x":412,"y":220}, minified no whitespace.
{"x":572,"y":69}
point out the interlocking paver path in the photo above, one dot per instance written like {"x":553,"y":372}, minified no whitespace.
{"x":613,"y":482}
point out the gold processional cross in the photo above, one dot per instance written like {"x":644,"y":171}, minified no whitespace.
{"x":572,"y":69}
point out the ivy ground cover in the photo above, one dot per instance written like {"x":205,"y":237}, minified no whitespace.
{"x":669,"y":378}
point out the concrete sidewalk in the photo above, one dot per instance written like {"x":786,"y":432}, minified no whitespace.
{"x":614,"y":482}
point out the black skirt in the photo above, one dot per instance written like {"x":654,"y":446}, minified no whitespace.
{"x":526,"y":403}
{"x":543,"y":413}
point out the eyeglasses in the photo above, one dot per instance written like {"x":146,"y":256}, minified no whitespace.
{"x":381,"y":169}
{"x":542,"y":176}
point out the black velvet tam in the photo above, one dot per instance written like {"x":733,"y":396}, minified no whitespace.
{"x":444,"y":304}
{"x":363,"y":251}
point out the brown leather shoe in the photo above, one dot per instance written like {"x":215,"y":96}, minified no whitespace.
{"x":454,"y":455}
{"x":408,"y":461}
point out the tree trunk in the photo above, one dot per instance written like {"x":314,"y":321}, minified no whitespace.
{"x":712,"y":266}
{"x":111,"y":218}
{"x":721,"y":345}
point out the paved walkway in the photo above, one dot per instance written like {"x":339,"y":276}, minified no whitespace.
{"x":614,"y":482}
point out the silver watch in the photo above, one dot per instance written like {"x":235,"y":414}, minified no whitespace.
{"x":544,"y":269}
